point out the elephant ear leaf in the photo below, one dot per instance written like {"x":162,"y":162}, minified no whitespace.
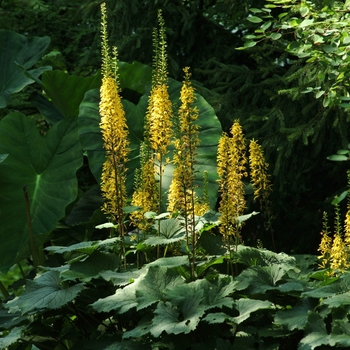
{"x":47,"y":167}
{"x":17,"y":55}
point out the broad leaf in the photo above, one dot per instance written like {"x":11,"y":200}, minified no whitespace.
{"x":337,"y":300}
{"x":67,"y":91}
{"x":218,"y":292}
{"x":17,"y":54}
{"x":45,"y":292}
{"x":341,"y":285}
{"x":295,"y":318}
{"x":85,"y":208}
{"x":313,"y":340}
{"x":122,"y":300}
{"x":246,"y":306}
{"x":174,"y":261}
{"x":260,"y":279}
{"x":47,"y":167}
{"x":91,"y":267}
{"x":154,"y":285}
{"x":83,"y":247}
{"x":176,"y":320}
{"x":11,"y":338}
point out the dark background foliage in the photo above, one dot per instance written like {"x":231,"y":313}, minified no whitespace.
{"x":296,"y":131}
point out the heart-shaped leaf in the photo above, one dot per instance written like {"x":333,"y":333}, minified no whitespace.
{"x":47,"y":167}
{"x":67,"y":91}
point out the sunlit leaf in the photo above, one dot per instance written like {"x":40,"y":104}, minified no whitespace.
{"x":45,"y":292}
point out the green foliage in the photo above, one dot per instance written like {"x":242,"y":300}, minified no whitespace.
{"x":210,"y":129}
{"x":19,"y":54}
{"x":275,"y":301}
{"x":47,"y":167}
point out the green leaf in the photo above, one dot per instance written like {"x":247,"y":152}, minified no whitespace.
{"x":15,"y":51}
{"x":45,"y":292}
{"x":246,"y":306}
{"x":306,"y":23}
{"x":243,"y":218}
{"x":3,"y":157}
{"x":47,"y":167}
{"x":337,"y":300}
{"x":266,"y":25}
{"x":134,"y":76}
{"x":11,"y":338}
{"x":255,"y":10}
{"x":250,"y":43}
{"x":338,"y":286}
{"x":338,"y":199}
{"x":170,"y":227}
{"x":304,"y":10}
{"x":173,"y":261}
{"x":254,"y":19}
{"x":85,"y":208}
{"x":217,"y":317}
{"x":122,"y":300}
{"x":338,"y":158}
{"x":154,"y":285}
{"x":313,"y":340}
{"x":275,"y":36}
{"x":297,"y":317}
{"x":67,"y":91}
{"x":258,"y":279}
{"x":91,"y":267}
{"x":159,"y":240}
{"x":181,"y":319}
{"x":83,"y":247}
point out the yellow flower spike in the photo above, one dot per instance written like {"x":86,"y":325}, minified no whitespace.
{"x":181,"y":197}
{"x":159,"y":115}
{"x":231,"y":161}
{"x":114,"y":133}
{"x":325,"y":245}
{"x":145,"y":194}
{"x":258,"y":166}
{"x":338,"y":255}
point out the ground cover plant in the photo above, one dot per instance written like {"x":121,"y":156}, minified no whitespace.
{"x":121,"y":220}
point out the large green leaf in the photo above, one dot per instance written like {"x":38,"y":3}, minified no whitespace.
{"x":47,"y":167}
{"x":181,"y":318}
{"x":90,"y":135}
{"x":297,"y":317}
{"x":45,"y":292}
{"x":155,"y":284}
{"x":17,"y":54}
{"x":67,"y":91}
{"x":246,"y":306}
{"x":259,"y":279}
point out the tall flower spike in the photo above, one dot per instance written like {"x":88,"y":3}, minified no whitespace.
{"x":325,"y":245}
{"x":258,"y":167}
{"x":114,"y":133}
{"x":182,"y":196}
{"x":158,"y":125}
{"x":347,"y":217}
{"x":145,"y":194}
{"x":231,"y":169}
{"x":338,"y":255}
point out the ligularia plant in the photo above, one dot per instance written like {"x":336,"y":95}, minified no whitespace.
{"x":115,"y":135}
